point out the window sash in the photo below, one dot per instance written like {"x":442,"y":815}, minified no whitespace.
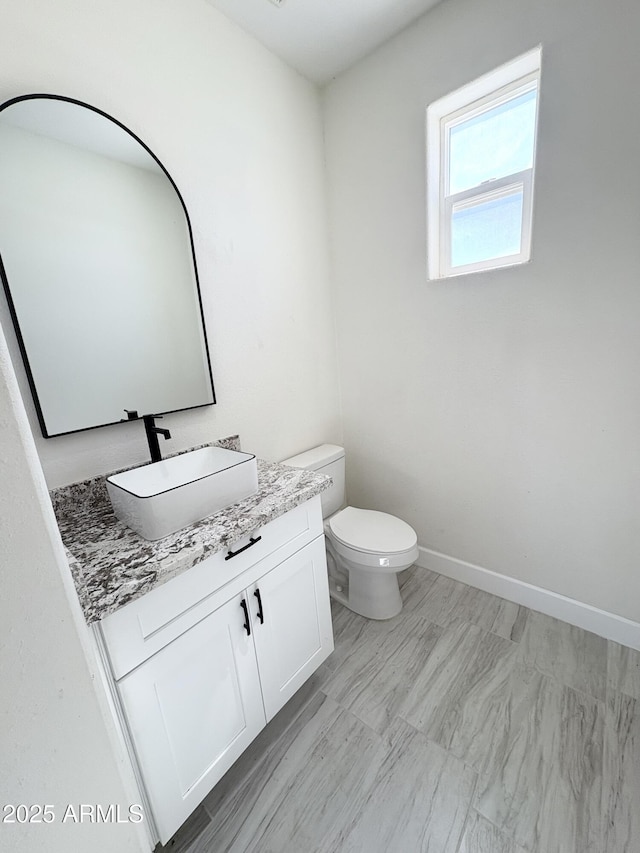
{"x":485,"y":192}
{"x":483,"y":105}
{"x":509,"y":92}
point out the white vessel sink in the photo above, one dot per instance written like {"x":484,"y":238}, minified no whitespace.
{"x":164,"y":497}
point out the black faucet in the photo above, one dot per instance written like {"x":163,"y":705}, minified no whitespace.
{"x":153,"y":432}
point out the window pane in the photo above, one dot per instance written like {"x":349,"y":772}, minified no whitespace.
{"x":494,"y":144}
{"x":485,"y":230}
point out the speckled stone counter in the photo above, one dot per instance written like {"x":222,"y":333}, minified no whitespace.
{"x":111,"y":565}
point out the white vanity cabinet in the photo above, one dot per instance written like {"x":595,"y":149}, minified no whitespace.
{"x":192,"y":709}
{"x":202,"y":663}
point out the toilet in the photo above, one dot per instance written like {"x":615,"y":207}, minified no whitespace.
{"x":366,"y":549}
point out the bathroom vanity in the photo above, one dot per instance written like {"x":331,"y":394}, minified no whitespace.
{"x":202,"y":634}
{"x":205,"y":634}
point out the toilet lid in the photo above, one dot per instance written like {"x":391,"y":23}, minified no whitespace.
{"x":371,"y":531}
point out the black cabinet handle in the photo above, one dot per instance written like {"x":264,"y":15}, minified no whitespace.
{"x":260,"y":613}
{"x":251,"y":542}
{"x":247,"y":627}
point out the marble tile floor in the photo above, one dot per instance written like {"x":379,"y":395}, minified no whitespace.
{"x":467,"y":724}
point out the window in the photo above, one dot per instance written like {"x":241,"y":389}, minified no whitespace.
{"x":481,"y":144}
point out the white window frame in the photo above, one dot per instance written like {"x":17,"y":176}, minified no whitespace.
{"x":510,"y":80}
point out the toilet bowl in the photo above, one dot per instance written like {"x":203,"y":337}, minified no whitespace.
{"x":366,"y":549}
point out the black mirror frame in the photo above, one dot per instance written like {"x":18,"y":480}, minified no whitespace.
{"x":10,"y":302}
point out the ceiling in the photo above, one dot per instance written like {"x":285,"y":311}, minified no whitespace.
{"x":322,"y":38}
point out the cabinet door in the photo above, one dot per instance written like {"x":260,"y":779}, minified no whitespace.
{"x":296,"y":634}
{"x":192,"y":709}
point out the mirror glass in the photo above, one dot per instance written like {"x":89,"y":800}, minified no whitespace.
{"x":98,"y":268}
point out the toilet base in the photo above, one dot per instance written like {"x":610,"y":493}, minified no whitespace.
{"x":375,"y":595}
{"x":370,"y":594}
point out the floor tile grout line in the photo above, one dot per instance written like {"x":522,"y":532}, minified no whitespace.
{"x":478,"y":773}
{"x":610,"y":674}
{"x":560,"y":683}
{"x":462,"y":621}
{"x":470,"y":808}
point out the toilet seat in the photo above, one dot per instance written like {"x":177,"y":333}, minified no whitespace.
{"x":370,"y":532}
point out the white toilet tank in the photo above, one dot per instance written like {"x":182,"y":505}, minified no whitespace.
{"x":326,"y":459}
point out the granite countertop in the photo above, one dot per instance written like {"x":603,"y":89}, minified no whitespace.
{"x":111,"y":565}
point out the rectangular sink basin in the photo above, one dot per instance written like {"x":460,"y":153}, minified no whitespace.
{"x":164,"y":497}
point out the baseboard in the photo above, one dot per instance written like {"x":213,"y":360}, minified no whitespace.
{"x":609,"y":625}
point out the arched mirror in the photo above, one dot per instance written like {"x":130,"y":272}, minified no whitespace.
{"x":98,"y":268}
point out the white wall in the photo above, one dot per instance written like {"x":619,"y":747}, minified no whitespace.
{"x":240,"y":133}
{"x":498,"y":413}
{"x":54,"y":747}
